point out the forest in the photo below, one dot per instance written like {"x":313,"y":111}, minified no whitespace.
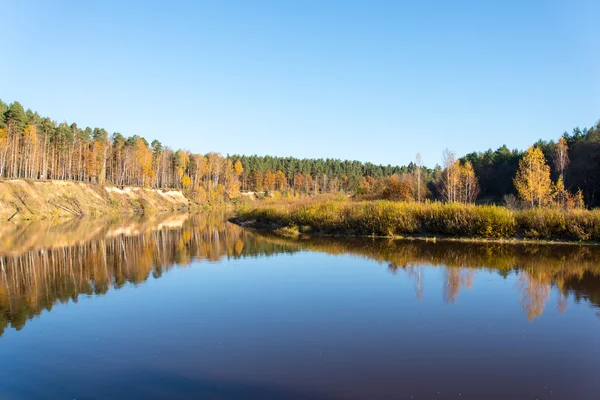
{"x":35,"y":147}
{"x":564,"y":172}
{"x":575,"y":156}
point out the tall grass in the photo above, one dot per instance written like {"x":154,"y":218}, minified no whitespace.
{"x":388,"y":218}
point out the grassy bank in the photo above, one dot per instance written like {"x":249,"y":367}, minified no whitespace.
{"x":387,"y":218}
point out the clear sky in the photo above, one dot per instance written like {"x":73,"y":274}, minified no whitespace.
{"x":374,"y":81}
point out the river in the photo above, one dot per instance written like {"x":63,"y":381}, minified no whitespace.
{"x":192,"y":306}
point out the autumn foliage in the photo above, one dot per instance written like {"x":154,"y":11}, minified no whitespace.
{"x":34,"y":147}
{"x":534,"y":185}
{"x":38,"y":148}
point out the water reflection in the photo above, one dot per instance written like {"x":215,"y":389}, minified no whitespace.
{"x":574,"y":270}
{"x":43,"y":263}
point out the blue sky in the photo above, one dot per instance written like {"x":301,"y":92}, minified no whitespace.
{"x":374,"y":81}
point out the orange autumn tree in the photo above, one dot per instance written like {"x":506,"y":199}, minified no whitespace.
{"x":269,"y":180}
{"x":298,"y":182}
{"x":399,"y":187}
{"x":280,"y":180}
{"x":256,"y":179}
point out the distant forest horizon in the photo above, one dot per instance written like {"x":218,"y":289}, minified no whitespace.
{"x":36,"y":147}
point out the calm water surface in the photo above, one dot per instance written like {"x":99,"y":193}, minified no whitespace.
{"x":195,"y":307}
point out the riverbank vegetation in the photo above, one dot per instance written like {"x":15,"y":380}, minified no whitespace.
{"x":544,"y":209}
{"x":389,"y":218}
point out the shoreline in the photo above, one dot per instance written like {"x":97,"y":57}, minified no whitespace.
{"x":426,"y":221}
{"x":31,"y":200}
{"x":292,"y":232}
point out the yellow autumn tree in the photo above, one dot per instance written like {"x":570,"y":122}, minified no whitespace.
{"x":182,"y":160}
{"x":469,"y":186}
{"x":199,"y":168}
{"x":533,"y":181}
{"x":560,"y":193}
{"x":563,"y":198}
{"x":143,"y":159}
{"x":94,"y":161}
{"x":186,"y":182}
{"x":458,"y":181}
{"x":232,"y":180}
{"x":238,"y":168}
{"x":201,"y":195}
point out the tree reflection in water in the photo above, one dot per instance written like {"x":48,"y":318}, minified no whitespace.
{"x":43,"y":263}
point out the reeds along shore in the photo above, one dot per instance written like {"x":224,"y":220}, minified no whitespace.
{"x":388,"y":218}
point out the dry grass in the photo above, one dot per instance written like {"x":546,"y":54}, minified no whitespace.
{"x":387,"y":218}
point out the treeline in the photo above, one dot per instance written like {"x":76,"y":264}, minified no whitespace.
{"x":320,"y":176}
{"x":564,"y":173}
{"x":267,"y":173}
{"x":36,"y":147}
{"x":575,"y":156}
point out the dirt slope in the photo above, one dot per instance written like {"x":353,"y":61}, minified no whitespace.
{"x":20,"y":199}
